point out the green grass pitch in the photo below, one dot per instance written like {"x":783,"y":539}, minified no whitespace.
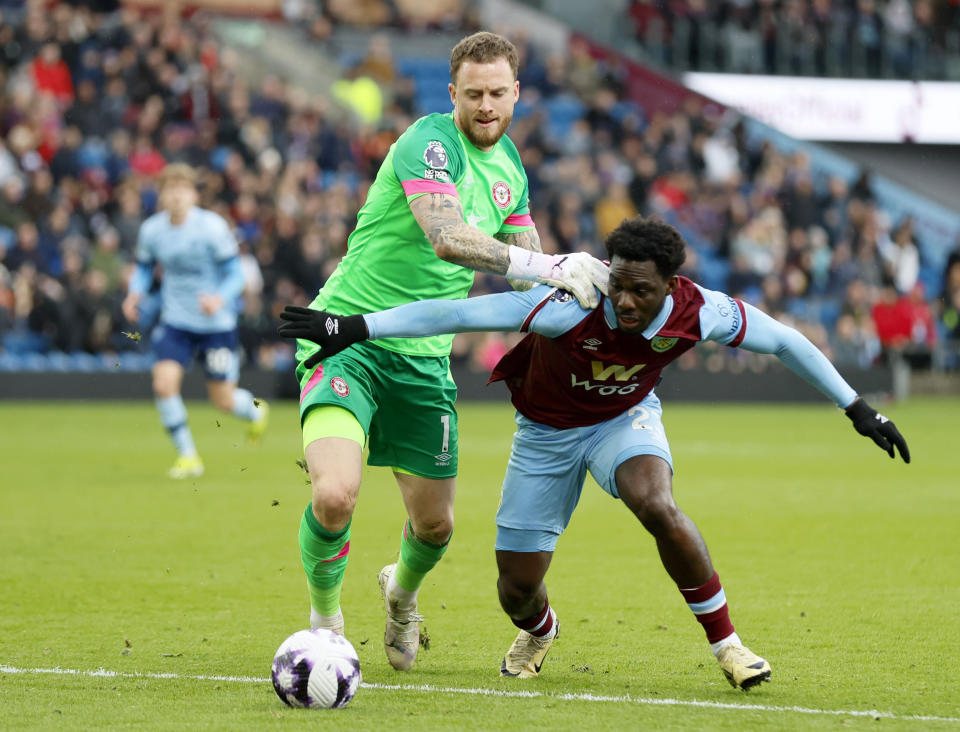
{"x":841,"y":566}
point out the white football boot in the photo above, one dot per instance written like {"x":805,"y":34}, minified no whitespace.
{"x":401,"y":639}
{"x":525,"y":656}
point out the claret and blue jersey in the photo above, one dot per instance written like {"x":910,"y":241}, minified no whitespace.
{"x":577,"y":368}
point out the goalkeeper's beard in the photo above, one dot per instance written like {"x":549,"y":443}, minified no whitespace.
{"x":483,"y":137}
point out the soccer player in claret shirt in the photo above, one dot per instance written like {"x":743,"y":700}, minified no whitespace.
{"x":449,"y":198}
{"x":202,"y":280}
{"x":582,"y":382}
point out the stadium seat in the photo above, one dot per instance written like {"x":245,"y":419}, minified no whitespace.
{"x":92,"y":154}
{"x":59,"y":361}
{"x":8,"y":237}
{"x":83,"y":362}
{"x":561,"y":112}
{"x":131,"y":361}
{"x":10,"y":362}
{"x":828,"y":310}
{"x":36,"y":362}
{"x":23,"y":342}
{"x":713,"y":271}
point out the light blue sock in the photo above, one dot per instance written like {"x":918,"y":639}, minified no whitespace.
{"x":243,"y":405}
{"x":173,"y":416}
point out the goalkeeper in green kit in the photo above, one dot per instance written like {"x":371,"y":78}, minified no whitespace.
{"x":450,"y":198}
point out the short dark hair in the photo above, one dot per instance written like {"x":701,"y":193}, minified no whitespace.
{"x":648,"y":239}
{"x":483,"y":47}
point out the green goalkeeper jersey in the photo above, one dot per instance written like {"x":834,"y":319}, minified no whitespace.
{"x":389,"y":260}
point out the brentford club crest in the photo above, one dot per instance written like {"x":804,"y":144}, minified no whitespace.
{"x":339,"y":386}
{"x":501,"y":194}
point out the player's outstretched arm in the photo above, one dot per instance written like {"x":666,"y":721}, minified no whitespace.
{"x":440,"y":215}
{"x":504,"y":311}
{"x":768,"y":335}
{"x":870,"y":423}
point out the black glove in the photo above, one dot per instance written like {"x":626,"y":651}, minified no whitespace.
{"x":870,"y":423}
{"x":331,"y":332}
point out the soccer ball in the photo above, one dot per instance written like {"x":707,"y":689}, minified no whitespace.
{"x":316,"y":669}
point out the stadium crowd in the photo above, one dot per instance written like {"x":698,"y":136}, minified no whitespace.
{"x":902,"y":39}
{"x":95,"y":104}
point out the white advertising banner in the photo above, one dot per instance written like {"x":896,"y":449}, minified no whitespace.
{"x":850,"y":110}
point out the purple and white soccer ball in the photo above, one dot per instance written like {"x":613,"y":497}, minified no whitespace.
{"x":316,"y":669}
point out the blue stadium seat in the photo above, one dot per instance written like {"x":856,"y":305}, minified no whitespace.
{"x":523,"y":109}
{"x":623,"y":109}
{"x":713,"y":271}
{"x":34,"y":362}
{"x":431,"y":69}
{"x":131,"y":361}
{"x":829,"y":310}
{"x":93,"y":154}
{"x":800,"y":308}
{"x":10,"y":362}
{"x":431,"y":102}
{"x":8,"y":237}
{"x":22,"y":342}
{"x":83,"y":362}
{"x":561,"y":112}
{"x":59,"y":361}
{"x":218,"y":158}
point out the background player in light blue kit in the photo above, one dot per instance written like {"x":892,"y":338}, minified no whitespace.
{"x":202,"y":279}
{"x":582,"y":382}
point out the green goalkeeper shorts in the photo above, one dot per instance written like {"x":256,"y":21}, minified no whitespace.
{"x":405,"y":405}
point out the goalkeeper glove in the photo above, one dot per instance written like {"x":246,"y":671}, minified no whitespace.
{"x":331,"y":332}
{"x":579,"y":273}
{"x":870,"y":423}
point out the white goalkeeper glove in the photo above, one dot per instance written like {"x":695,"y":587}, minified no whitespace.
{"x":579,"y":273}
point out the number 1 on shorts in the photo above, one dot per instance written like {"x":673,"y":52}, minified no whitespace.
{"x":445,"y":421}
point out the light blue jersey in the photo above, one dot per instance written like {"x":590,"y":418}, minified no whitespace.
{"x":198,"y":257}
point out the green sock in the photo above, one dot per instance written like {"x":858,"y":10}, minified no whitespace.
{"x":324,"y":555}
{"x":417,"y":557}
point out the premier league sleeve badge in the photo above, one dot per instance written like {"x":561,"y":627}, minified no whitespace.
{"x":435,"y":155}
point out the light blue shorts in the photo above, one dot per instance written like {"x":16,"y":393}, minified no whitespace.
{"x":548,"y":467}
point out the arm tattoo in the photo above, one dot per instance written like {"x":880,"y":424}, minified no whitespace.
{"x":528,"y":239}
{"x":441,"y":218}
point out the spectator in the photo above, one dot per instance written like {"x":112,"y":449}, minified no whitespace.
{"x":612,"y":209}
{"x":950,"y":309}
{"x":107,"y":258}
{"x":51,"y":74}
{"x":145,"y":159}
{"x":905,"y":325}
{"x":289,"y":170}
{"x":86,"y":111}
{"x":30,"y":250}
{"x":12,"y":209}
{"x":378,"y":63}
{"x":901,"y":258}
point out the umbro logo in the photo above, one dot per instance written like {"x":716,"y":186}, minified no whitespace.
{"x":332,"y":326}
{"x":591,"y":344}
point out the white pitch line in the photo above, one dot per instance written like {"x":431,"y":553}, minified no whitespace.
{"x":105,"y":673}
